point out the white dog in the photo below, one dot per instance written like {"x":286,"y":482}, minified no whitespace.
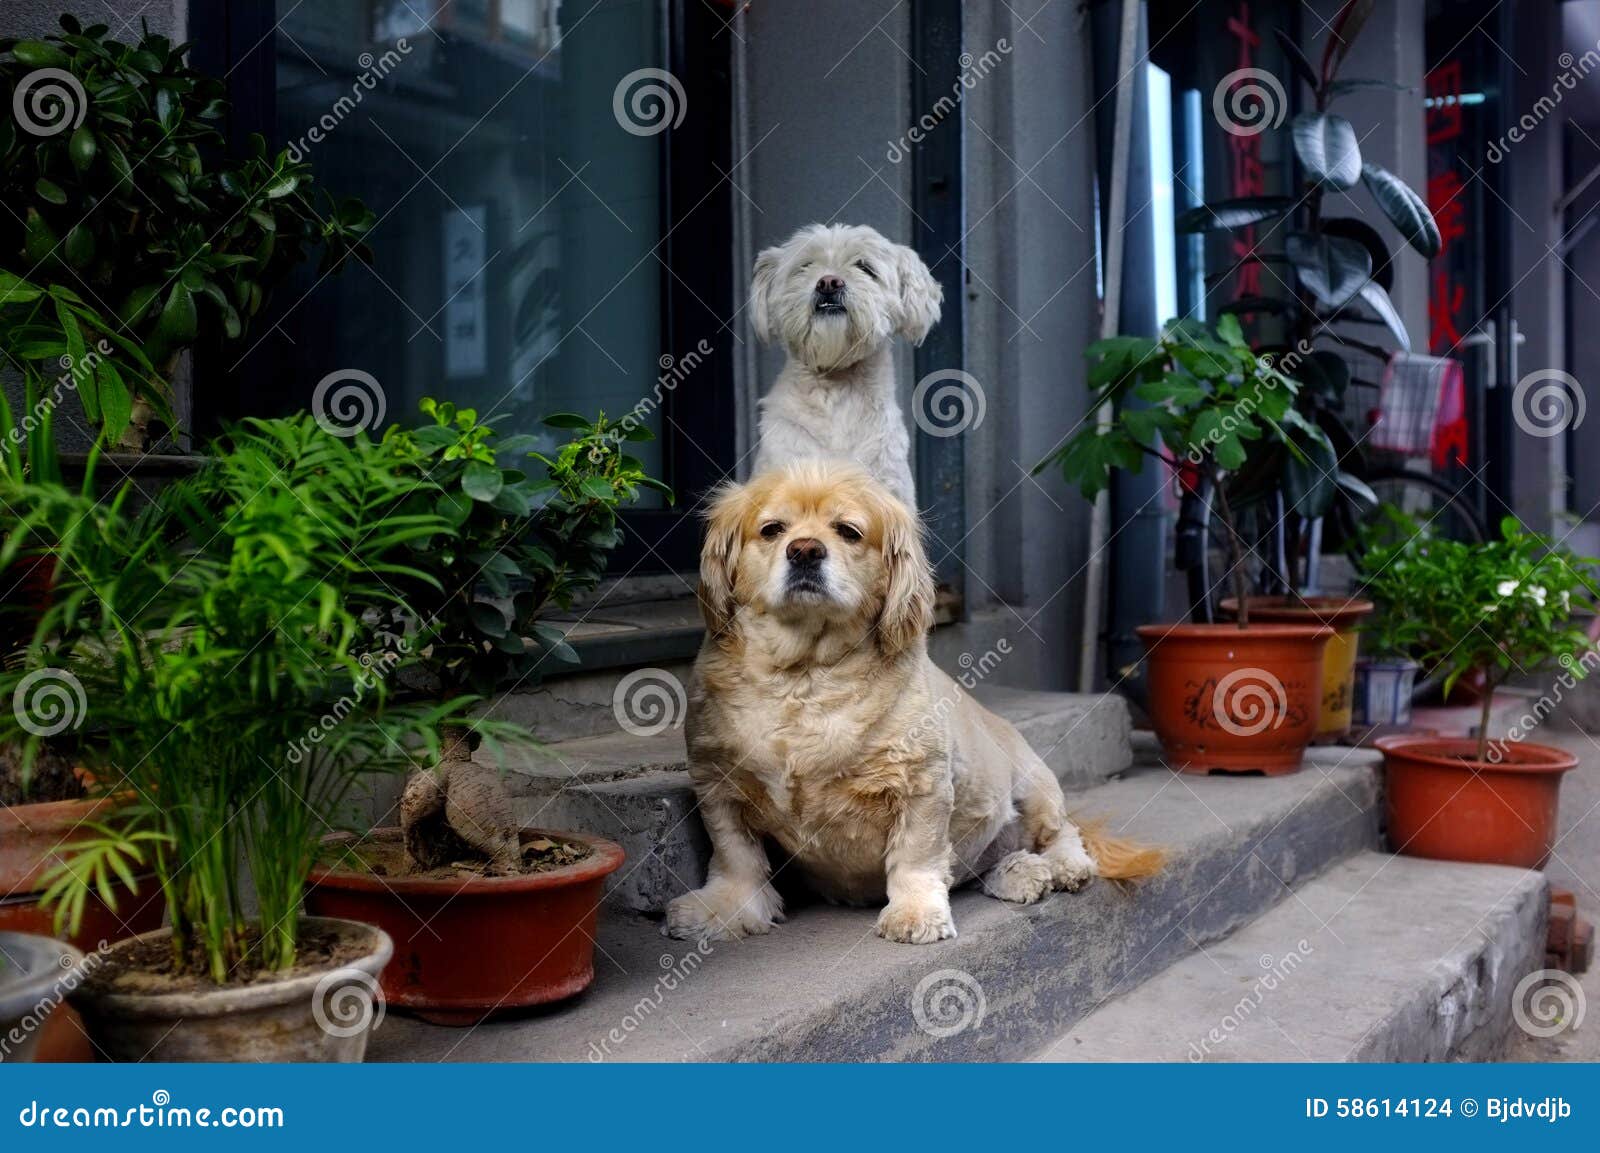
{"x":836,"y":295}
{"x":816,"y":719}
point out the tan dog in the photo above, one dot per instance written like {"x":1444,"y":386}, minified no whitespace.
{"x":816,"y":719}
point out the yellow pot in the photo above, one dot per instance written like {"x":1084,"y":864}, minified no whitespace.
{"x":1338,"y":655}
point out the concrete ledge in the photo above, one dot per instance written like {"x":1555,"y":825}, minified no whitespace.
{"x":635,"y":790}
{"x":1380,"y":959}
{"x":823,"y":986}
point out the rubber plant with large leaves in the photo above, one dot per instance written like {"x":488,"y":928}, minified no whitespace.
{"x":1339,"y":264}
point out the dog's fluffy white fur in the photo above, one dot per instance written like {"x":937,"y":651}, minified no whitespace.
{"x":836,"y":296}
{"x":816,"y":720}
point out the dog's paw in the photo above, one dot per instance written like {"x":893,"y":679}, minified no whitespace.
{"x":919,"y":923}
{"x":1022,"y":877}
{"x":721,"y":912}
{"x":1071,"y":866}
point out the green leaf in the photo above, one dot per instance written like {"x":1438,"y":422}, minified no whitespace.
{"x":38,"y":54}
{"x":49,"y":191}
{"x":15,"y":290}
{"x":116,"y":403}
{"x":1297,"y":59}
{"x":481,"y":481}
{"x":1379,"y":301}
{"x":487,"y":618}
{"x":79,"y":246}
{"x":1407,"y":211}
{"x":1238,"y":212}
{"x":597,"y":488}
{"x":180,"y":320}
{"x":568,"y":420}
{"x":1332,"y":268}
{"x":1328,"y":150}
{"x":81,"y":148}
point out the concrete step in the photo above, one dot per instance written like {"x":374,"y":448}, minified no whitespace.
{"x":823,"y":986}
{"x":635,"y":790}
{"x":1381,"y":958}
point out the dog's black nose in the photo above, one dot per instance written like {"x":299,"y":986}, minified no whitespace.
{"x":806,"y":551}
{"x":830,"y":285}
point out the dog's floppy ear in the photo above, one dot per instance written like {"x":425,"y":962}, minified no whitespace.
{"x":920,"y":295}
{"x":761,"y":286}
{"x":908,"y":602}
{"x":719,"y":557}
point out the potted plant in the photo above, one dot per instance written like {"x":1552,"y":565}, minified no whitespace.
{"x":486,"y":915}
{"x":1342,"y":614}
{"x":33,"y":973}
{"x":119,"y":192}
{"x":1242,"y":696}
{"x":227,"y":695}
{"x":1498,"y":609}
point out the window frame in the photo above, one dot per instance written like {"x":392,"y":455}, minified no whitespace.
{"x":699,"y":425}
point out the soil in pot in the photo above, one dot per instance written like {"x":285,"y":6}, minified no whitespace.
{"x":136,"y":1008}
{"x":1343,"y":615}
{"x":36,"y":974}
{"x":1222,"y":698}
{"x":385,"y":858}
{"x":1445,"y":804}
{"x":468,"y":945}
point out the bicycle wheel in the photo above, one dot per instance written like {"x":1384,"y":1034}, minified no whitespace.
{"x":1446,"y":509}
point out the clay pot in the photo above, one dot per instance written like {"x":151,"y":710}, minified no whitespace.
{"x":1382,"y":692}
{"x":35,"y":975}
{"x":1445,"y":804}
{"x":33,"y":838}
{"x":1343,"y":615}
{"x":324,"y":1015}
{"x":472,"y":946}
{"x":1238,"y":700}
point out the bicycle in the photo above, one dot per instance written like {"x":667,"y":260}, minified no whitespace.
{"x":1419,"y":411}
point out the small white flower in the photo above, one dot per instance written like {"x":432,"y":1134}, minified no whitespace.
{"x":1536,"y":593}
{"x":1506,"y":588}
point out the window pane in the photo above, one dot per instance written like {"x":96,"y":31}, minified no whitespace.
{"x":518,"y":218}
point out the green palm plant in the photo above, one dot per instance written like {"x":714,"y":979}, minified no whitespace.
{"x":225,"y":676}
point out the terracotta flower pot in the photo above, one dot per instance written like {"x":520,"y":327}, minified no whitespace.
{"x":1343,"y":615}
{"x":1239,"y":700}
{"x":1446,"y":804}
{"x":322,"y":1015}
{"x":33,"y":838}
{"x":468,"y":947}
{"x":35,"y":973}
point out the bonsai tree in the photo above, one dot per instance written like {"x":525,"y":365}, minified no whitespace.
{"x":1340,"y":264}
{"x":1185,"y":396}
{"x":119,"y":193}
{"x":1503,"y":608}
{"x":518,"y":544}
{"x":223,"y":684}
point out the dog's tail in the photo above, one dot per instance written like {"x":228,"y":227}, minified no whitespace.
{"x":1117,"y":858}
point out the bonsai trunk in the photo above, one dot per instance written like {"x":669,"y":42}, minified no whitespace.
{"x":459,"y":810}
{"x":1484,"y":709}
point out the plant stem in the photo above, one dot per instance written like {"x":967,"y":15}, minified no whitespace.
{"x":1483,"y":719}
{"x":1241,"y":590}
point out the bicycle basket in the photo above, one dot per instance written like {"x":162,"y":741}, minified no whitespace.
{"x":1408,"y":402}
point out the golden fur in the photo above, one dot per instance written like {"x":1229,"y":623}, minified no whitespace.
{"x":816,"y":720}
